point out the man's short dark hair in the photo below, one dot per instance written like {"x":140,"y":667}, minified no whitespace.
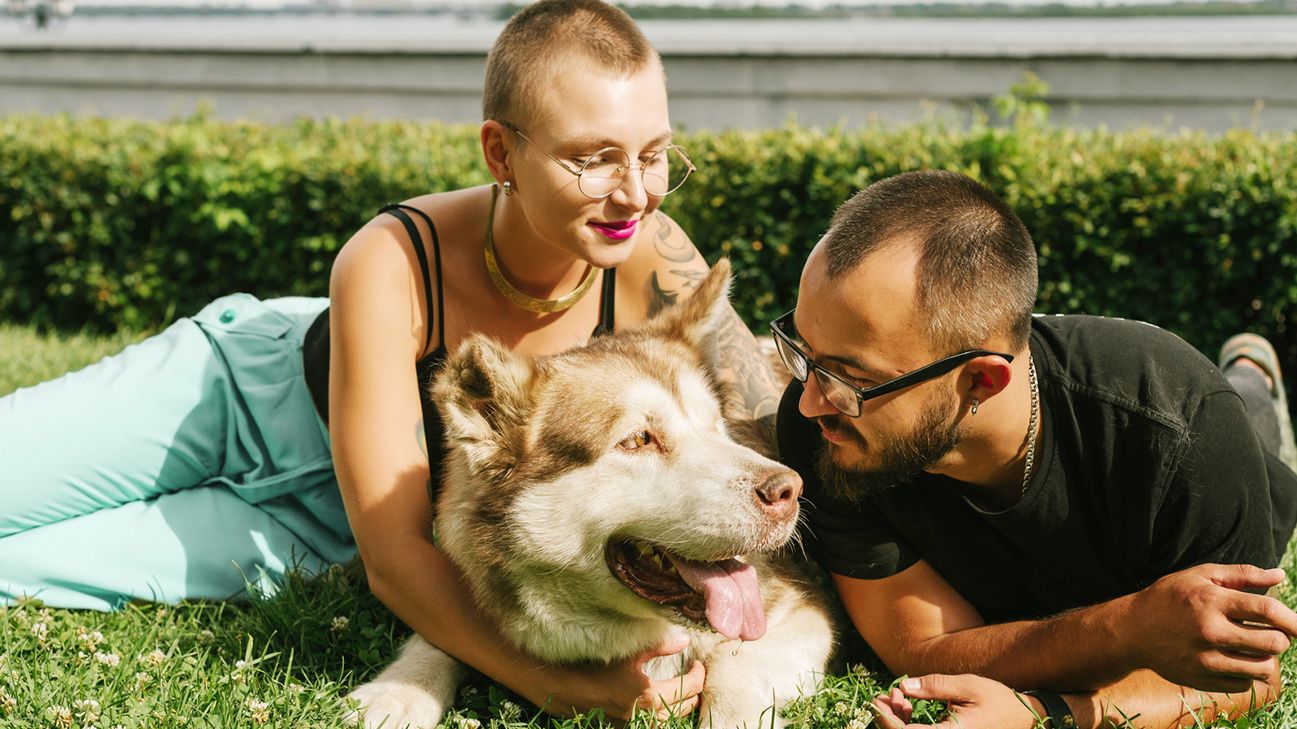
{"x":977,"y":262}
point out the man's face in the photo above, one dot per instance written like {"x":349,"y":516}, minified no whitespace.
{"x":862,"y":326}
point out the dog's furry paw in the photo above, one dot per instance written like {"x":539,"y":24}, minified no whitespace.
{"x":395,"y":705}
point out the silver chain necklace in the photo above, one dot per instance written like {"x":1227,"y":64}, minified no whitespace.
{"x":1034,"y":427}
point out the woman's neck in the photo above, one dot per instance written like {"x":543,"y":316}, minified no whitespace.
{"x":532,"y":265}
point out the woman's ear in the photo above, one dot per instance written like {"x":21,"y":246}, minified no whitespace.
{"x":496,"y":148}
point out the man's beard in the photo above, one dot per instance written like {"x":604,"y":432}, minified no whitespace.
{"x":900,"y":458}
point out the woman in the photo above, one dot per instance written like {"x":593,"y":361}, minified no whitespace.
{"x":228,"y":459}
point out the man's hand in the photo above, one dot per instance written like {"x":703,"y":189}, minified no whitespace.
{"x":974,"y":703}
{"x":621,"y":689}
{"x":1198,"y":627}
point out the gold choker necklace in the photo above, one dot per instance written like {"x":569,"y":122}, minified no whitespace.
{"x":530,"y":303}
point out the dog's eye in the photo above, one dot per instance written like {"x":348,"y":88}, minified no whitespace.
{"x":636,"y":441}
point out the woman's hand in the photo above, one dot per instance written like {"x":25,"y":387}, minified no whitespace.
{"x":620,"y":689}
{"x":974,"y":703}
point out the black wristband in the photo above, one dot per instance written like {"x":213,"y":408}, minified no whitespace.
{"x":1057,"y":712}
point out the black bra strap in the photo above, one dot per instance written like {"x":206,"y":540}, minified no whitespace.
{"x":398,"y":211}
{"x":607,"y":303}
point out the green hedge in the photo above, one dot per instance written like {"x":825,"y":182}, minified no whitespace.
{"x":112,"y":222}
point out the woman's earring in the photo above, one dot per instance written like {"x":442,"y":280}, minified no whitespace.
{"x":508,"y":187}
{"x":974,"y":407}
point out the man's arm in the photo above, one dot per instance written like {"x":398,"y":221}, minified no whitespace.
{"x":1196,"y":627}
{"x":1145,"y":699}
{"x":1142,"y":700}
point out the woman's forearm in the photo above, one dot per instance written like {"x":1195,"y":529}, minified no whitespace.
{"x":427,"y":591}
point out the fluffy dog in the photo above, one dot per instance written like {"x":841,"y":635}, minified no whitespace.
{"x":597,"y":506}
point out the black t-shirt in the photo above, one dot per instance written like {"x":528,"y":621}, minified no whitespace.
{"x":1147,"y":465}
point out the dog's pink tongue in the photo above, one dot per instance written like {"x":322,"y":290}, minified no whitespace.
{"x":730,"y":590}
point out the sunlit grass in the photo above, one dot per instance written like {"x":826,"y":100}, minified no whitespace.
{"x":286,"y":660}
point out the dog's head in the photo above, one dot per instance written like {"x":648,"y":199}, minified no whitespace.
{"x":600,"y":485}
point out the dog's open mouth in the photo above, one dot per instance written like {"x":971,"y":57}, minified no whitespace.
{"x":723,"y":593}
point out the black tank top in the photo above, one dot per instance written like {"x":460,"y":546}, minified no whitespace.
{"x":315,"y":347}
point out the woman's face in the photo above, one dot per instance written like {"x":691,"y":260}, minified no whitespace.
{"x":585,"y":109}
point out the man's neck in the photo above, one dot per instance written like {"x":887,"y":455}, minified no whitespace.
{"x":992,"y":455}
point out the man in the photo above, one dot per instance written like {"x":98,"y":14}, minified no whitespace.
{"x":1074,"y":505}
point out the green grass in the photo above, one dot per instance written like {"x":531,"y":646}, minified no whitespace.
{"x":285,"y":660}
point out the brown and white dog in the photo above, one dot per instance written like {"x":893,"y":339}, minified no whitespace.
{"x":598,"y":506}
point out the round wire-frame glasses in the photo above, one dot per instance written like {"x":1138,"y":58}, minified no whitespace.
{"x":843,"y":395}
{"x":601,"y":173}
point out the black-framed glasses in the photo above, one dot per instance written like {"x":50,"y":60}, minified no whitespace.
{"x":600,"y":174}
{"x":845,"y":396}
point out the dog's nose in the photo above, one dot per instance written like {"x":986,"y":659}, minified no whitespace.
{"x":778,"y":494}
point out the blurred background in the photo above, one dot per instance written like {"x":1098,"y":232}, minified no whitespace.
{"x":155,"y":154}
{"x":731,"y":63}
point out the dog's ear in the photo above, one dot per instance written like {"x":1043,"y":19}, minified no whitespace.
{"x":698,"y":318}
{"x":482,"y":393}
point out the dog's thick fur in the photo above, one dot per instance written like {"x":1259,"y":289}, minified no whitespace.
{"x":580,"y":488}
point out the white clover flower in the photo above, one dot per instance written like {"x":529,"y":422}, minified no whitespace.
{"x":510,"y":711}
{"x":142,"y":679}
{"x":41,"y":631}
{"x":841,"y":708}
{"x":7,"y":702}
{"x":89,"y":640}
{"x":258,"y":711}
{"x":206,"y":636}
{"x":156,"y":658}
{"x":61,"y":716}
{"x":462,"y":722}
{"x":856,"y":724}
{"x":88,"y":709}
{"x":112,"y":660}
{"x":340,"y":624}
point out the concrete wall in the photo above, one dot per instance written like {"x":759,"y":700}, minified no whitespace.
{"x":1211,"y":74}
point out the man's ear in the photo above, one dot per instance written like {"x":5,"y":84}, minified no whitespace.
{"x":986,"y":377}
{"x":697,"y":319}
{"x":483,"y":393}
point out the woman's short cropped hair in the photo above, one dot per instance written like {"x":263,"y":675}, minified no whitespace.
{"x":977,"y":263}
{"x":539,"y":37}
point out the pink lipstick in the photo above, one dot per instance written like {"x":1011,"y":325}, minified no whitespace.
{"x":619,"y":230}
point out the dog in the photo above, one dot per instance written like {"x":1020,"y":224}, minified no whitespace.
{"x":598,"y":506}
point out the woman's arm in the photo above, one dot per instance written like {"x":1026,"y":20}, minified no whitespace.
{"x":674,"y":269}
{"x":376,"y":427}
